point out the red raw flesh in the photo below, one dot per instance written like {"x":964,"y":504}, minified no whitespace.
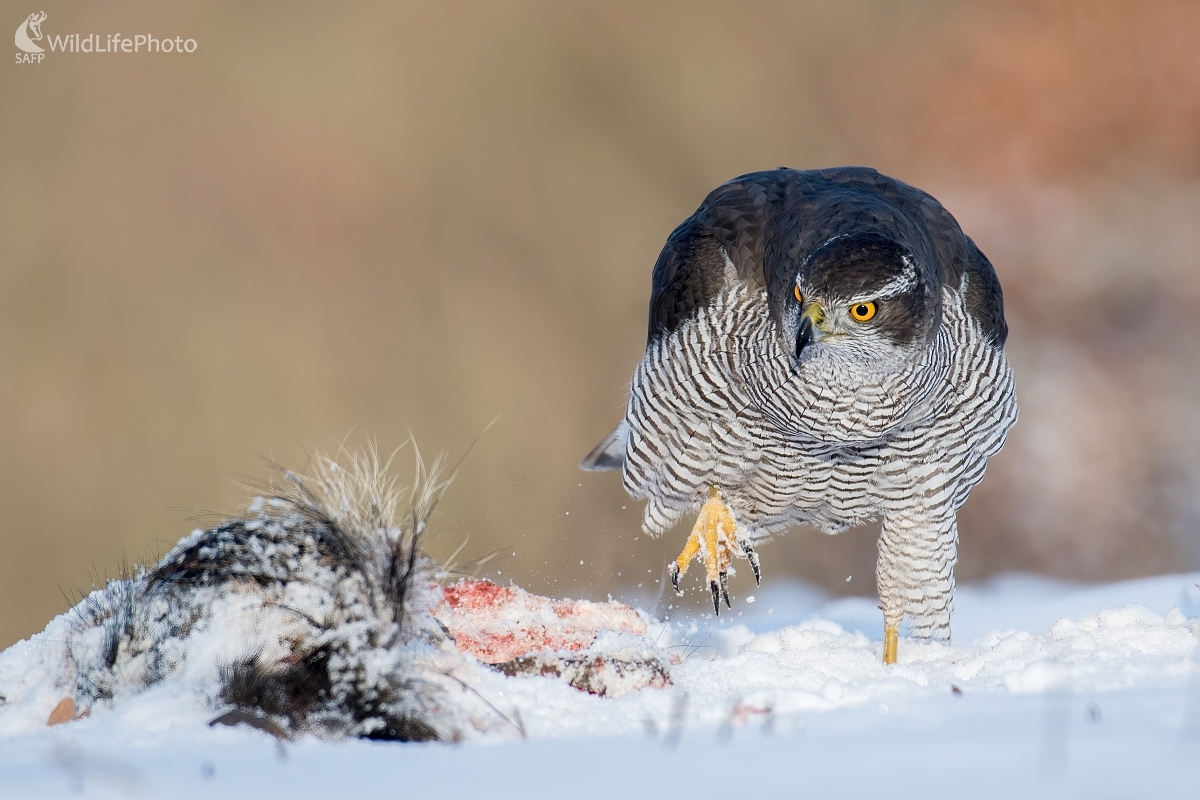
{"x":499,"y":623}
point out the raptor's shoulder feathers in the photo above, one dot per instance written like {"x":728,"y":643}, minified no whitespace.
{"x":758,"y":227}
{"x":724,"y":240}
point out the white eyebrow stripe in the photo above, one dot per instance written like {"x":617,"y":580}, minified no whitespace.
{"x":897,"y":285}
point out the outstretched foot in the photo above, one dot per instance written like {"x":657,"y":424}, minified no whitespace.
{"x":714,"y":541}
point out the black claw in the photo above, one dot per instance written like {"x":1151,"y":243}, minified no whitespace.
{"x":716,"y":595}
{"x":673,"y":571}
{"x":725,"y":589}
{"x":752,"y":557}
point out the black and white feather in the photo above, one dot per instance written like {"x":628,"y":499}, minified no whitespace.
{"x":310,"y":614}
{"x":758,"y":380}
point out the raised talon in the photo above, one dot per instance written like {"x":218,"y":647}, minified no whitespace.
{"x":712,"y":540}
{"x":679,"y":565}
{"x":752,"y":557}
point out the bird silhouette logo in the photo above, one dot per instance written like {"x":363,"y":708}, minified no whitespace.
{"x":30,"y":32}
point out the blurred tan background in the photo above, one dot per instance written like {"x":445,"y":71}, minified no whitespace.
{"x":373,"y":218}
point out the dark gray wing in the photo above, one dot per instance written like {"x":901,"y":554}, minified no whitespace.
{"x":733,"y":223}
{"x":689,"y":273}
{"x":962,"y":263}
{"x":985,"y":299}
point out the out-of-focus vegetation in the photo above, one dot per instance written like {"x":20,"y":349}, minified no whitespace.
{"x":367,"y":218}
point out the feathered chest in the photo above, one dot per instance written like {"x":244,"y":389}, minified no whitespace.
{"x":717,"y":403}
{"x":729,"y":359}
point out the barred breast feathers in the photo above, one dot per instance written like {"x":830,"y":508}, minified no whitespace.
{"x":715,"y":403}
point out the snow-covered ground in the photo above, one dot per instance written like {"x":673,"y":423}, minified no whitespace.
{"x":1049,"y":690}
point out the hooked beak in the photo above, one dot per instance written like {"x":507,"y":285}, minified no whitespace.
{"x":804,"y":336}
{"x":808,"y":332}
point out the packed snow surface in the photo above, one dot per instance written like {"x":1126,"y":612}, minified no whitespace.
{"x":1048,"y":689}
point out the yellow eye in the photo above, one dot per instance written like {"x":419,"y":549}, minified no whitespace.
{"x":862,"y":311}
{"x":799,"y":297}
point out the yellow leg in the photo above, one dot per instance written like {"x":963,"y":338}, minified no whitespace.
{"x":689,"y":552}
{"x":714,"y":540}
{"x":891,"y":639}
{"x":712,"y":518}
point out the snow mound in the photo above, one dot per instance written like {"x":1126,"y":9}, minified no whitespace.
{"x":818,"y":665}
{"x":315,"y":614}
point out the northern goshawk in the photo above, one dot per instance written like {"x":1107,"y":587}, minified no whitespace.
{"x":825,"y":348}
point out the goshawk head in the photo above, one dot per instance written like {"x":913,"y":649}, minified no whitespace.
{"x":859,"y":307}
